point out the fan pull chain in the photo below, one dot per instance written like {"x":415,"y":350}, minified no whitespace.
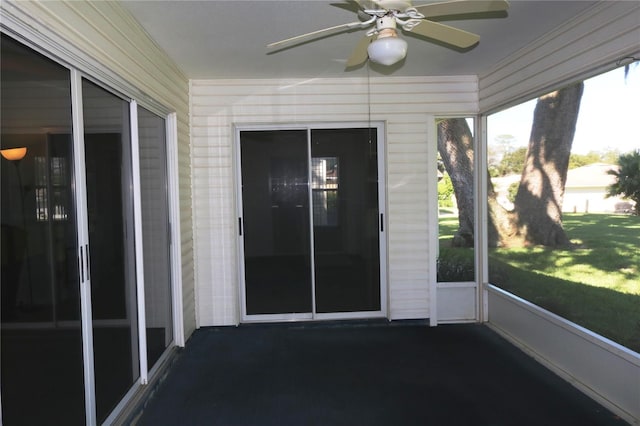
{"x":369,"y":99}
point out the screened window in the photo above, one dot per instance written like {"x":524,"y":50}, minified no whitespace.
{"x":570,"y":246}
{"x":456,"y":200}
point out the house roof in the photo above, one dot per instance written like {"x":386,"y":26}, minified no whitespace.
{"x":591,"y":176}
{"x":227,"y":39}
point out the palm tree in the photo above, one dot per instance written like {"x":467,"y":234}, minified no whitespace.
{"x":627,"y":179}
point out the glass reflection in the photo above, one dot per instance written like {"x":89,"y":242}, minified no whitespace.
{"x":110,"y":217}
{"x":276,"y":221}
{"x":42,"y":369}
{"x":155,"y":233}
{"x":345,"y":229}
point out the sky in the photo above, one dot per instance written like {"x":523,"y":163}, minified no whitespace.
{"x":608,"y":118}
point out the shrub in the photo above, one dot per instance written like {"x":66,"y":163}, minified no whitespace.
{"x":445,"y":192}
{"x":455,"y":264}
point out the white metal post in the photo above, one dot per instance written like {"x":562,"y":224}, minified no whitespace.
{"x":173,"y":184}
{"x":80,"y":184}
{"x":138,"y":241}
{"x":312,"y":250}
{"x":432,"y":191}
{"x":481,"y":218}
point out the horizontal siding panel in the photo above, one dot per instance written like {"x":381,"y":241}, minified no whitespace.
{"x":407,"y":130}
{"x":308,"y":112}
{"x":408,"y":186}
{"x":415,"y":304}
{"x":403,"y":313}
{"x":344,"y":86}
{"x":410,"y":282}
{"x":408,"y":157}
{"x":411,"y":168}
{"x":409,"y":259}
{"x":398,"y":202}
{"x":419,"y":288}
{"x":405,"y":253}
{"x":381,"y":102}
{"x":399,"y":195}
{"x":410,"y":245}
{"x":407,"y":137}
{"x":204,"y":126}
{"x":403,"y":208}
{"x":204,"y":150}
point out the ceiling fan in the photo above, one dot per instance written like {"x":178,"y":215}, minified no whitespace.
{"x":381,"y":44}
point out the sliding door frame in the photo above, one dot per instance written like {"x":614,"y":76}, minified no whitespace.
{"x":379,"y":128}
{"x":82,"y":229}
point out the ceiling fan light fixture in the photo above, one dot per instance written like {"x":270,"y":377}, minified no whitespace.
{"x":388,"y":48}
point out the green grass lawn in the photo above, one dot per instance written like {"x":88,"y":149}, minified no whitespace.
{"x":596,"y":284}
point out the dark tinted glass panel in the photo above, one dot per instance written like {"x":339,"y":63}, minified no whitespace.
{"x":346,"y":220}
{"x":155,"y":233}
{"x":276,"y":221}
{"x":42,"y":370}
{"x":110,"y":209}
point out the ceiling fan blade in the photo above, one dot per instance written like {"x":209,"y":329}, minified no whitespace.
{"x":362,"y":6}
{"x":360,"y":54}
{"x":367,"y":4}
{"x":315,"y":34}
{"x":350,"y":5}
{"x":461,"y":7}
{"x":358,"y":3}
{"x":445,"y":33}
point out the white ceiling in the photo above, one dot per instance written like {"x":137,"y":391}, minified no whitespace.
{"x":227,"y":39}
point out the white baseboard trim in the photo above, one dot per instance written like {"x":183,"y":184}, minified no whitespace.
{"x":457,"y":302}
{"x":602,"y":369}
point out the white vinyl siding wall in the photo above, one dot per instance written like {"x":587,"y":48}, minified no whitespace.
{"x":406,"y":104}
{"x":102,"y":40}
{"x":587,"y":45}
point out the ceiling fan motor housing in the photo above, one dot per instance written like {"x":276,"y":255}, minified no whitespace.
{"x":387,"y":22}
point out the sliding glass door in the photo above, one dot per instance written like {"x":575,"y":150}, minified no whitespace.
{"x":156,"y":233}
{"x":42,"y":363}
{"x":310,"y":223}
{"x":86,"y":260}
{"x":107,"y":154}
{"x":275,"y":222}
{"x":346,"y":220}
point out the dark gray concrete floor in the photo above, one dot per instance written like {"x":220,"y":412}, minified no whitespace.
{"x":363,"y":373}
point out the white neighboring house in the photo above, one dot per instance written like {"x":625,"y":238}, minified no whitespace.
{"x":586,"y":190}
{"x":501,"y":187}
